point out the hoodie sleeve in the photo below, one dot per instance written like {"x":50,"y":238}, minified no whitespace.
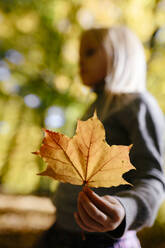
{"x":144,"y":123}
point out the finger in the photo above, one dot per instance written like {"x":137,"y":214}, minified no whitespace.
{"x":117,"y":209}
{"x":81,"y":224}
{"x":91,"y":210}
{"x":100,"y":203}
{"x":111,"y":199}
{"x":88,"y":221}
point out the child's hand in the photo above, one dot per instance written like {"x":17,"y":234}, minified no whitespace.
{"x":98,"y":214}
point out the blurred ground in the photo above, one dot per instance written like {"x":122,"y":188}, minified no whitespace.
{"x":23,"y":219}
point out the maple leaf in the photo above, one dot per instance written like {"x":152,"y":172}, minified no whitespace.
{"x":85,"y":158}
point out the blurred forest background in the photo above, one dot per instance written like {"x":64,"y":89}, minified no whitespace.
{"x":40,"y":84}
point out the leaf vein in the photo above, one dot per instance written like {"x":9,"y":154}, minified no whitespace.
{"x":103,"y":166}
{"x":67,"y":157}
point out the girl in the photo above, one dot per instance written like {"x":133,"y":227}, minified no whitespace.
{"x":112,"y":63}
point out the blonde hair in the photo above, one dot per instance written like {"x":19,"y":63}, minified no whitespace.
{"x":126,"y":64}
{"x":128,"y":73}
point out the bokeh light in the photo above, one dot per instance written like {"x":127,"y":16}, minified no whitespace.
{"x":4,"y":127}
{"x":4,"y":71}
{"x":14,"y":56}
{"x":160,"y":37}
{"x":85,"y":18}
{"x":64,"y":25}
{"x":28,"y":22}
{"x":55,"y":117}
{"x":32,"y":101}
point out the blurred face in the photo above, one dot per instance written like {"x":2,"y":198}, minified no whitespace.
{"x":93,"y":61}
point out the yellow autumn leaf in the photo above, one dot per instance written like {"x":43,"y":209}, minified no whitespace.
{"x":85,"y":158}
